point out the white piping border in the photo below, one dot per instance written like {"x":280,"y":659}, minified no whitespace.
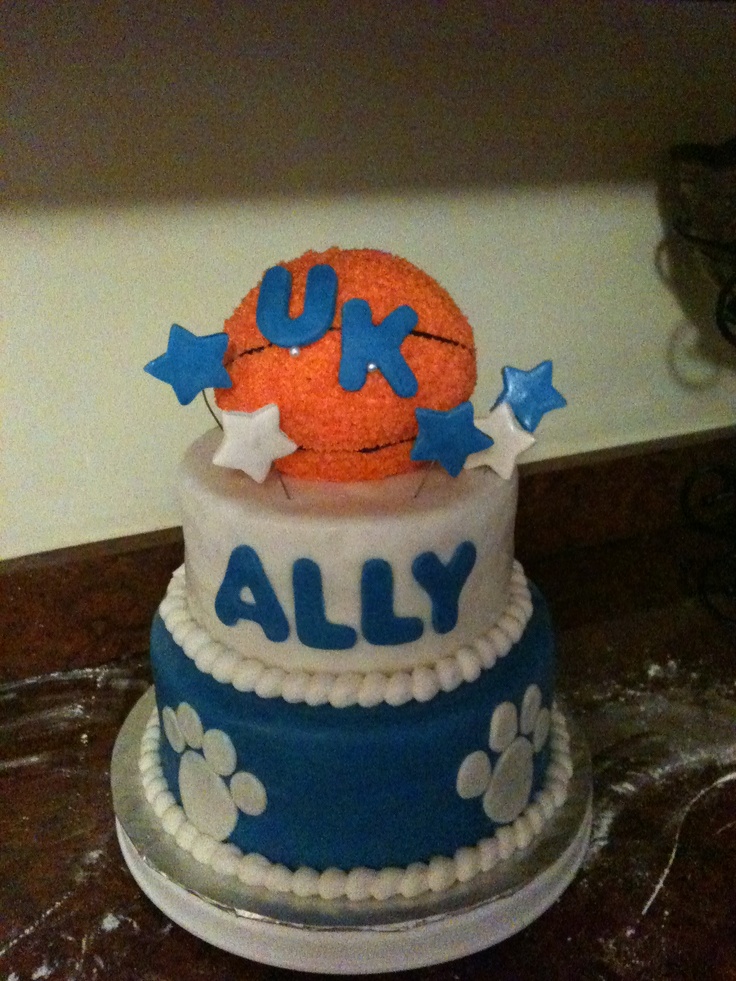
{"x":436,"y":875}
{"x":350,"y":688}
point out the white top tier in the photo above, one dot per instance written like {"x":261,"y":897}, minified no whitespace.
{"x":340,"y":527}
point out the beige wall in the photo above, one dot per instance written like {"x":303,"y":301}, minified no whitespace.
{"x":158,"y":162}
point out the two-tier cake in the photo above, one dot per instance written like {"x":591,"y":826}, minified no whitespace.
{"x":354,"y":680}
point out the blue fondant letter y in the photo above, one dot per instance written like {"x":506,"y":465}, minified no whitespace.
{"x":444,"y":583}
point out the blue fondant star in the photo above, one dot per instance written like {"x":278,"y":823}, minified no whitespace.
{"x":191,"y":363}
{"x":448,"y":437}
{"x":530,"y":394}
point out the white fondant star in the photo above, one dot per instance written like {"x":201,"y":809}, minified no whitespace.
{"x":509,"y":441}
{"x":252,"y":441}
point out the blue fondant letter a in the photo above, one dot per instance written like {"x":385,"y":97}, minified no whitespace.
{"x":272,"y":312}
{"x":365,"y":343}
{"x":244,"y":571}
{"x":380,"y":624}
{"x":444,"y":583}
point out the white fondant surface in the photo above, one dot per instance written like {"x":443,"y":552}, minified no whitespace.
{"x":340,"y":527}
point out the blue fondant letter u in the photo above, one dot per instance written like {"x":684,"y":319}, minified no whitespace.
{"x":272,"y":312}
{"x":245,"y":571}
{"x":444,"y":583}
{"x":312,"y":625}
{"x":380,"y":624}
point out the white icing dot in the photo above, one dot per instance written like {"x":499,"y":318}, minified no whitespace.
{"x":441,"y":873}
{"x":506,"y":841}
{"x":414,"y":880}
{"x":148,"y":760}
{"x":488,"y":853}
{"x":186,"y":835}
{"x":172,"y":730}
{"x":206,"y":656}
{"x":541,"y":729}
{"x":248,"y":793}
{"x":154,"y":785}
{"x":223,"y":667}
{"x":203,"y":848}
{"x":205,"y":798}
{"x":247,"y":674}
{"x":387,"y":883}
{"x":278,"y":878}
{"x":305,"y":882}
{"x":253,"y":869}
{"x":294,"y":687}
{"x":448,"y":673}
{"x":469,"y":664}
{"x":269,"y":683}
{"x":486,"y":652}
{"x":524,"y":832}
{"x":371,"y":690}
{"x":173,"y":819}
{"x":474,"y":775}
{"x":219,"y":752}
{"x":398,"y":690}
{"x":535,"y":817}
{"x":425,"y":684}
{"x":467,"y":862}
{"x":504,"y":727}
{"x":511,"y":783}
{"x":359,"y":883}
{"x":190,"y":725}
{"x":225,"y":859}
{"x":162,"y":802}
{"x":332,"y":883}
{"x":530,"y":706}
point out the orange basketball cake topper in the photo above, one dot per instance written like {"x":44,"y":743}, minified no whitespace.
{"x":369,"y":432}
{"x":350,"y":365}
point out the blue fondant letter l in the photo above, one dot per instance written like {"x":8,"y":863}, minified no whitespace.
{"x":245,"y":571}
{"x":444,"y":583}
{"x":380,"y":624}
{"x":312,"y":625}
{"x":272,"y":311}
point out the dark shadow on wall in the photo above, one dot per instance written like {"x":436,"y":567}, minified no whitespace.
{"x":132,"y":102}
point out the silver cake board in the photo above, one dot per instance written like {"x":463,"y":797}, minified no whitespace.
{"x":340,"y":936}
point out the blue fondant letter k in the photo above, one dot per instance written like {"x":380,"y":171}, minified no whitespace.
{"x":245,"y":571}
{"x":366,"y":345}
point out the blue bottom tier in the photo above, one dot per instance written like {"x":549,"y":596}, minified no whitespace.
{"x":349,"y":787}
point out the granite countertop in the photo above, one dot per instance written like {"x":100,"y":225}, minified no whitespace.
{"x":645,"y":666}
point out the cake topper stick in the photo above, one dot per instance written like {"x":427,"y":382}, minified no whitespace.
{"x":283,"y":484}
{"x":211,"y":410}
{"x":425,"y":476}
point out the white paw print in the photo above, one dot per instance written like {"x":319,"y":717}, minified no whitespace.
{"x":207,"y":759}
{"x":517,"y":736}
